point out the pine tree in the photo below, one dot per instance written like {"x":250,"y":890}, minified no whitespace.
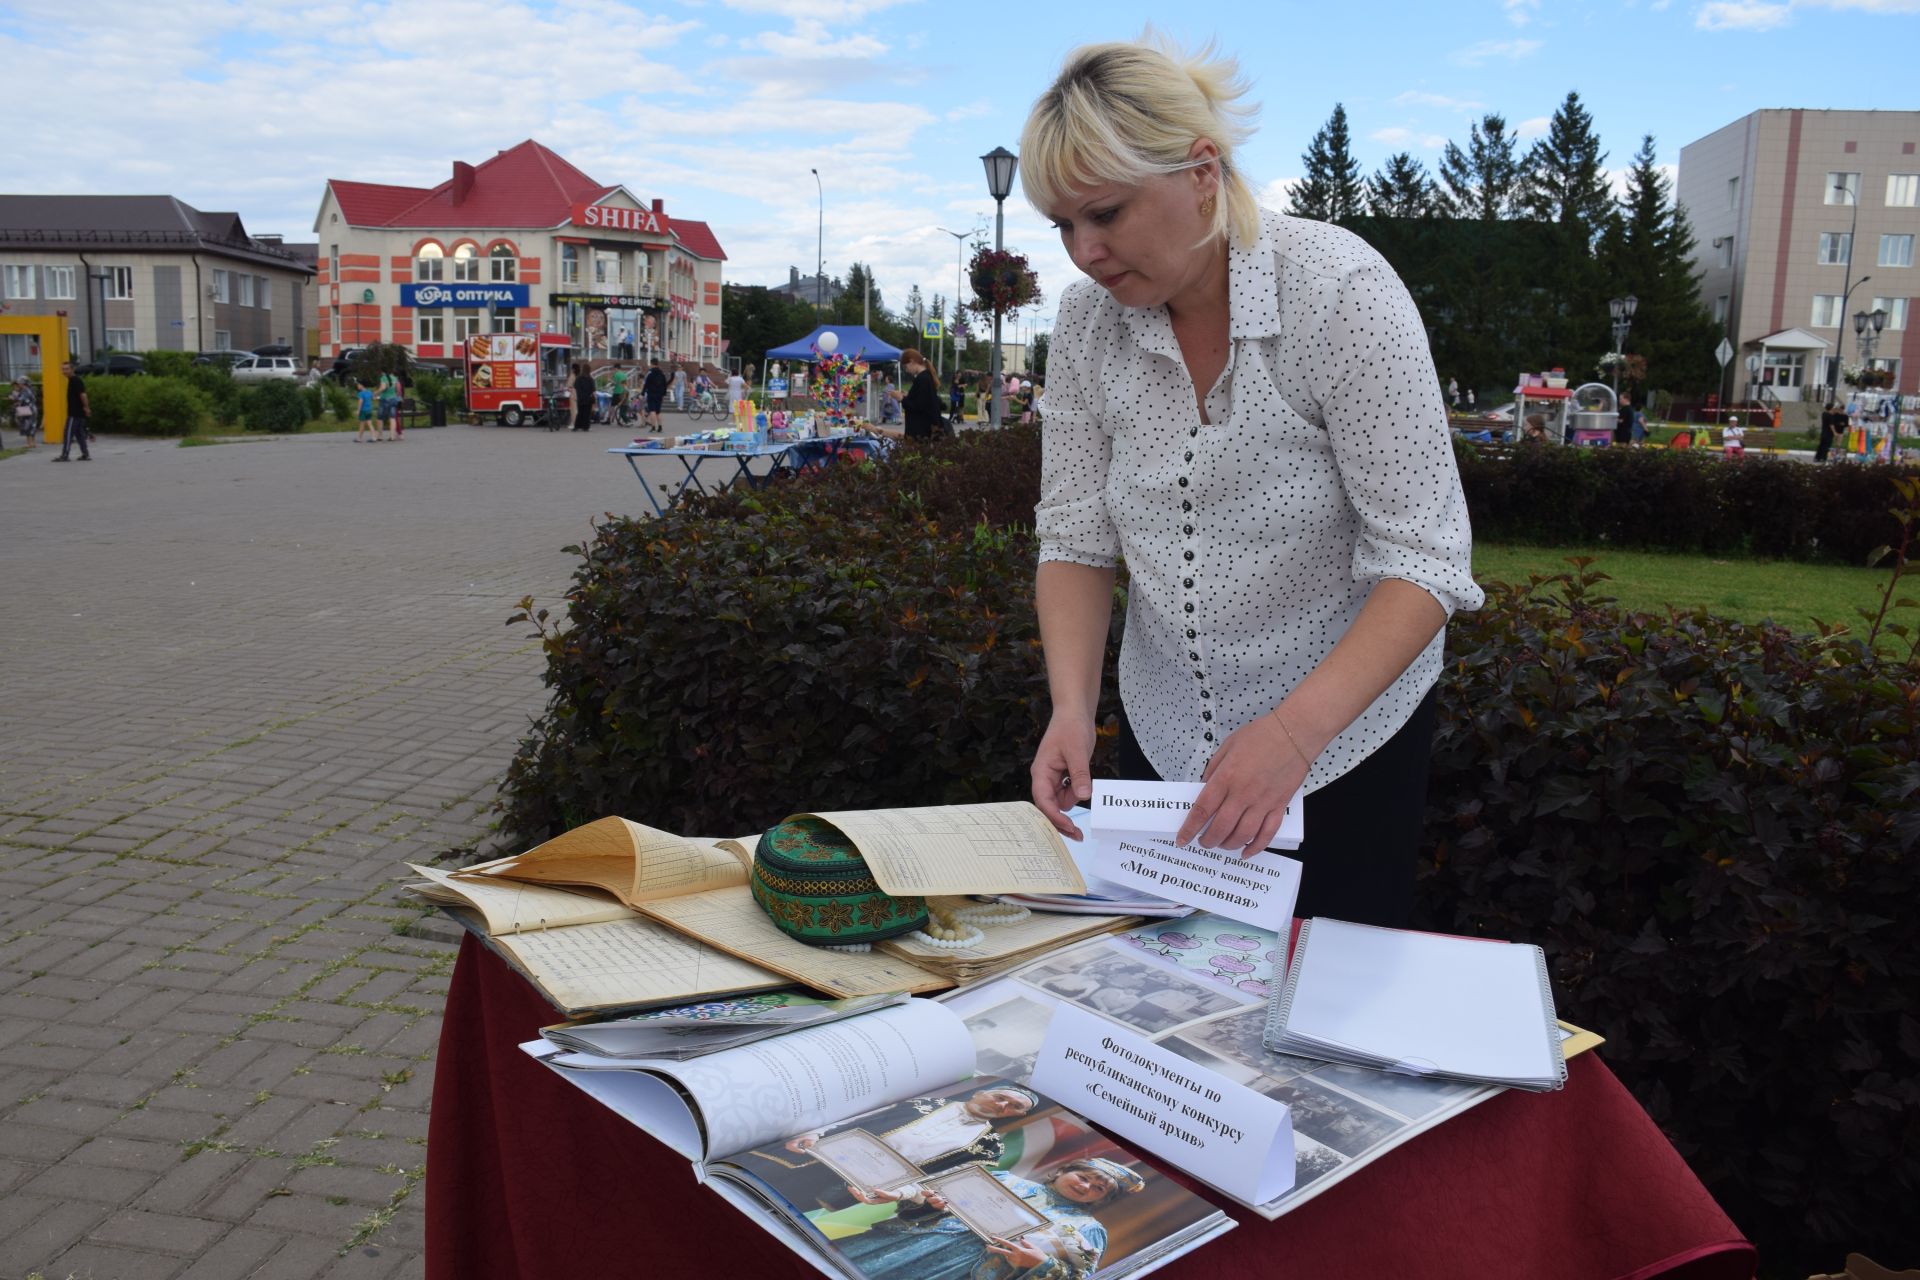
{"x":1484,"y":182}
{"x":1329,"y":190}
{"x":1564,"y":180}
{"x":1401,"y":190}
{"x":1647,"y":251}
{"x":1563,"y":186}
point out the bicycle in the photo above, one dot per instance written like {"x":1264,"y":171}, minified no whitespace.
{"x":703,"y":403}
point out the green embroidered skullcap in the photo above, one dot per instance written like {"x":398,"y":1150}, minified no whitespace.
{"x":814,"y":885}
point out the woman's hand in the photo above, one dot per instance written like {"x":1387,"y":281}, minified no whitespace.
{"x":1248,"y":784}
{"x":1018,"y":1253}
{"x":1063,"y":771}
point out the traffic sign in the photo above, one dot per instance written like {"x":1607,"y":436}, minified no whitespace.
{"x":1723,"y":352}
{"x":934,"y":329}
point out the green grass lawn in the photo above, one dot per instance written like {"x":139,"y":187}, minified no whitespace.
{"x":1781,"y":591}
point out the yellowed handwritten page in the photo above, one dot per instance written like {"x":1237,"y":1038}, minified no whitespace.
{"x":510,"y":906}
{"x":630,"y":962}
{"x":961,"y":848}
{"x":630,"y":860}
{"x":731,"y":920}
{"x":1040,"y":931}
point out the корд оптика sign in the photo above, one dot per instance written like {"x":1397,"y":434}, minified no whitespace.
{"x":463,"y":295}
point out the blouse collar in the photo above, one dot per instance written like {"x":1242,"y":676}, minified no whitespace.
{"x":1253,"y":304}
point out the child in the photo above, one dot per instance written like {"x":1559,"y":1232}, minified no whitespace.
{"x":366,"y":415}
{"x":1732,"y":441}
{"x":25,"y":412}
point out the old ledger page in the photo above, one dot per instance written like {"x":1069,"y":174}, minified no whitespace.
{"x":630,"y":962}
{"x":961,"y":848}
{"x":510,"y":906}
{"x":634,"y":862}
{"x":731,"y":920}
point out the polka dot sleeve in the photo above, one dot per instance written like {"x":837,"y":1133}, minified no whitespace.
{"x":1388,"y":428}
{"x":1072,"y":520}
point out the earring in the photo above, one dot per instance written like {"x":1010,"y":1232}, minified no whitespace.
{"x":1206,"y":206}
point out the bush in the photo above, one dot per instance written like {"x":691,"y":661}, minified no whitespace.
{"x":339,"y":401}
{"x":145,"y":406}
{"x":436,"y":388}
{"x":314,"y":401}
{"x":168,"y":364}
{"x":1710,"y":827}
{"x":276,"y":405}
{"x":223,"y":395}
{"x":1675,"y":500}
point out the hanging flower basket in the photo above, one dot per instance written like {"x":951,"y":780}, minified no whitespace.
{"x":1002,"y":282}
{"x":1866,"y":379}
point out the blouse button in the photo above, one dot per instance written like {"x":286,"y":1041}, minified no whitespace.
{"x":1189,"y":606}
{"x":1191,"y":634}
{"x":1187,"y":554}
{"x":1186,"y":506}
{"x":1205,"y":694}
{"x":1193,"y":431}
{"x":1209,"y":737}
{"x":1189,"y":455}
{"x":1183,"y":482}
{"x":1186,"y":582}
{"x":1186,"y":529}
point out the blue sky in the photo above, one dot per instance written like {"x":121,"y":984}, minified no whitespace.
{"x":721,"y":107}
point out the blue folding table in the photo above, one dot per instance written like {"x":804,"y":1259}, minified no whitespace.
{"x":792,"y":456}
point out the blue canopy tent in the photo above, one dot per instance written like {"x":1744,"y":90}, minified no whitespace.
{"x":856,"y":340}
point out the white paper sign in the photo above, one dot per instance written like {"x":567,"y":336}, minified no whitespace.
{"x":1223,"y":1133}
{"x":1130,"y":834}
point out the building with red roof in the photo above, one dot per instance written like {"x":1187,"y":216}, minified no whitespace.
{"x":523,"y":241}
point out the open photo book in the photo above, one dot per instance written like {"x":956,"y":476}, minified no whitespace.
{"x":871,"y":1148}
{"x":619,"y":915}
{"x":1200,"y":988}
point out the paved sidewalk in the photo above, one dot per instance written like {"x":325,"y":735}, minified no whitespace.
{"x":238,"y":685}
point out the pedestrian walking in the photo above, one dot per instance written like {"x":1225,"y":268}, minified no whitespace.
{"x":1832,"y":423}
{"x":26,"y":411}
{"x":655,"y":391}
{"x":78,"y":411}
{"x":584,"y":395}
{"x":618,"y":386}
{"x":680,"y":388}
{"x":388,"y":418}
{"x":366,"y":427}
{"x":956,"y":397}
{"x":1453,"y":393}
{"x":736,"y":389}
{"x":1623,"y":422}
{"x":1469,"y":399}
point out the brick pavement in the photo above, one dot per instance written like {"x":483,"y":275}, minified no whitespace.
{"x":238,"y":685}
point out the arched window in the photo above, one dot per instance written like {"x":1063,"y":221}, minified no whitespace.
{"x":506,"y":263}
{"x":430,"y":264}
{"x":569,"y":264}
{"x":466,"y":264}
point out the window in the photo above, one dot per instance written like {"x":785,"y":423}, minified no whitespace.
{"x":1836,"y":248}
{"x":433,"y":326}
{"x":606,"y":268}
{"x":466,"y":265}
{"x":120,"y":339}
{"x":1720,"y":309}
{"x":333,"y":326}
{"x":17,"y":283}
{"x":1724,"y":247}
{"x":430,"y":265}
{"x":221,"y":291}
{"x":1896,"y":251}
{"x":266,"y":294}
{"x":1903,"y":190}
{"x":1896,"y":309}
{"x":1733,"y":193}
{"x":1783,"y":368}
{"x":569,"y":264}
{"x":1826,"y":310}
{"x":1843,"y":188}
{"x":505,"y":263}
{"x":504,"y":321}
{"x":466,"y":320}
{"x":58,"y":282}
{"x":246,"y":290}
{"x":223,"y":339}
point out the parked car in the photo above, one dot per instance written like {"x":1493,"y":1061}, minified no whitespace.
{"x":225,"y":359}
{"x":274,"y":349}
{"x":266,"y":369}
{"x":118,"y":363}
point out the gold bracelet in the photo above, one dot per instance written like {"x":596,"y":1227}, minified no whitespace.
{"x":1292,"y":741}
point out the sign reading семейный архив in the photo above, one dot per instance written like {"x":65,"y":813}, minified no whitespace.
{"x":1130,"y":834}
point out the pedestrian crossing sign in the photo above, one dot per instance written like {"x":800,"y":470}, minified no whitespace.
{"x":934,"y":329}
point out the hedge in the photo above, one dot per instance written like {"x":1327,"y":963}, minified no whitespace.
{"x":144,"y":406}
{"x":1677,"y":500}
{"x":1709,"y":826}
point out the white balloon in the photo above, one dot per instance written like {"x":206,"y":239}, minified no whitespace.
{"x":829,"y":342}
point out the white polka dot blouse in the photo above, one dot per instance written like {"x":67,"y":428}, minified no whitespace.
{"x":1253,"y":539}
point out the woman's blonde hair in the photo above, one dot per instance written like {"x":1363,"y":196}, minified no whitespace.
{"x":1126,"y":111}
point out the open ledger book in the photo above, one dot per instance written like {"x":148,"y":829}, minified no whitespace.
{"x":867,"y":1146}
{"x":617,"y":915}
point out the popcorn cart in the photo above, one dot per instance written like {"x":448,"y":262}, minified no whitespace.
{"x":520,"y":377}
{"x":1544,"y":395}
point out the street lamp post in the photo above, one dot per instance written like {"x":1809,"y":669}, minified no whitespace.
{"x":959,"y":247}
{"x":1754,"y":365}
{"x":1621,"y":309}
{"x":820,"y":251}
{"x":1852,"y":197}
{"x":1001,"y":164}
{"x":1866,"y":332}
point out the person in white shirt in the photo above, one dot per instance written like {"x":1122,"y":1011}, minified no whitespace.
{"x":736,"y":389}
{"x":1244,"y":407}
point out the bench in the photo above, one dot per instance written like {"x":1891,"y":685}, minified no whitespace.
{"x":412,"y":414}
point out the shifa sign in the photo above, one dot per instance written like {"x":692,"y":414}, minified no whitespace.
{"x":613,"y":218}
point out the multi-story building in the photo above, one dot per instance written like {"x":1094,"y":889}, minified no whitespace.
{"x":1804,"y":219}
{"x":522,"y":241}
{"x":139,"y":273}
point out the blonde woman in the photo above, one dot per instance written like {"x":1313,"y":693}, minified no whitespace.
{"x":1242,"y":406}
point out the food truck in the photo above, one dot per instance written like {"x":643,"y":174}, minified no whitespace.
{"x":520,"y":377}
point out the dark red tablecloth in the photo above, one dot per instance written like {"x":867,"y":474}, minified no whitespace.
{"x":529,"y":1177}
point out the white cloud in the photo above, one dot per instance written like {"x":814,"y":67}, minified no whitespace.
{"x":1520,"y":12}
{"x":1276,"y":194}
{"x":1742,"y":15}
{"x":1495,"y":50}
{"x":1534,"y":127}
{"x":1660,"y":6}
{"x":1421,"y":98}
{"x":1866,"y":6}
{"x":1398,"y":137}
